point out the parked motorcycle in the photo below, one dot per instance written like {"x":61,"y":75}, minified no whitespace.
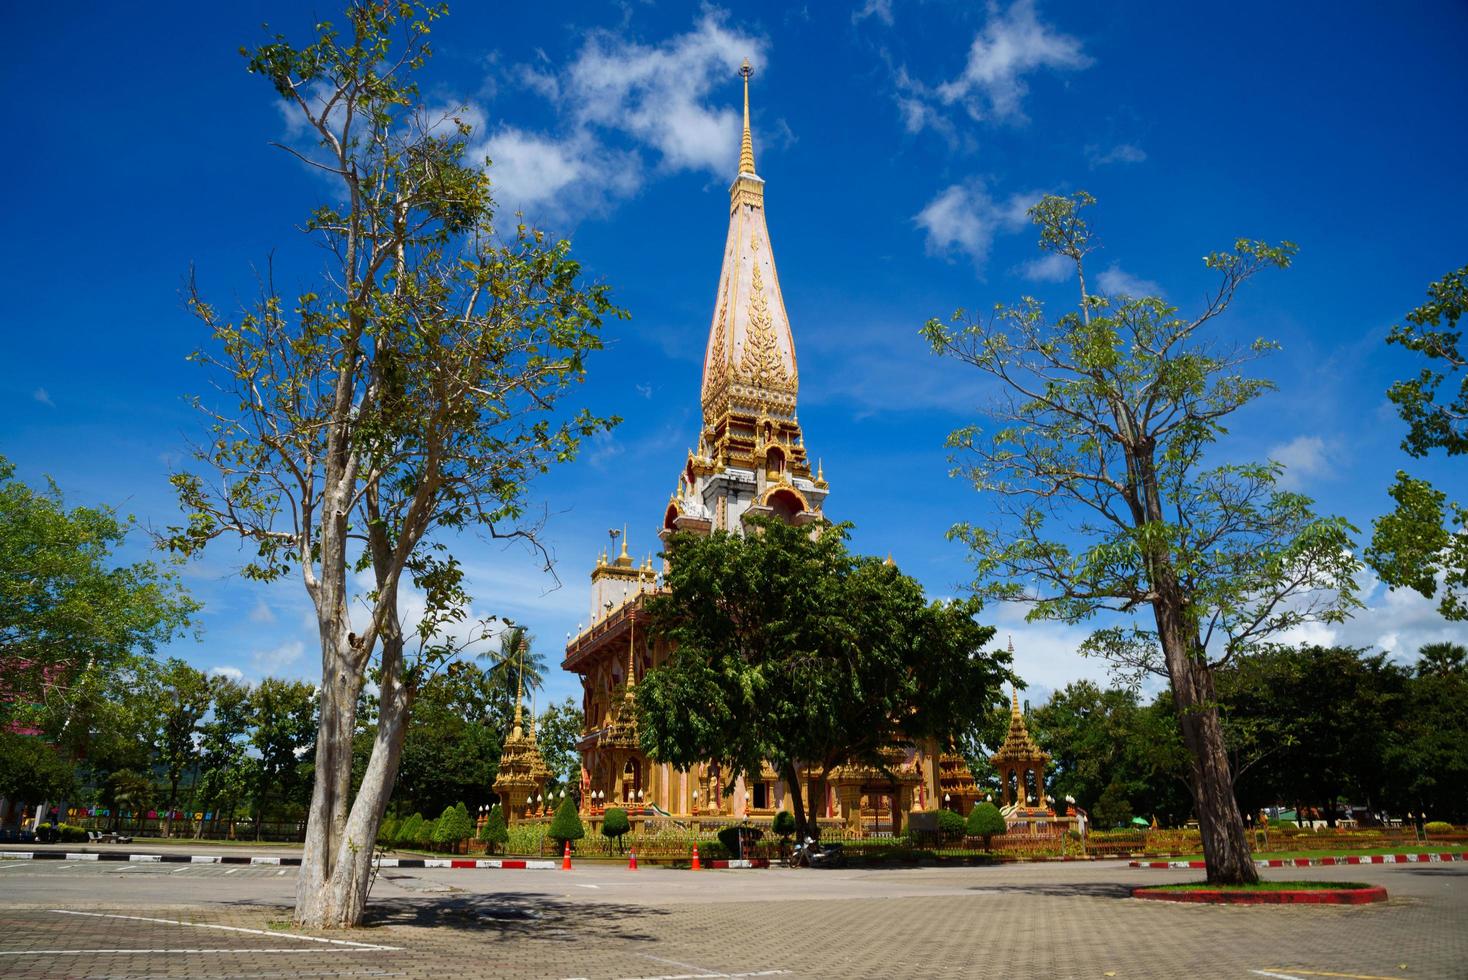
{"x":811,"y":853}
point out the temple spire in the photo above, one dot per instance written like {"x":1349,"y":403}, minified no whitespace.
{"x":746,"y":143}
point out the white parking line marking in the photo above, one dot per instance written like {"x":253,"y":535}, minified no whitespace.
{"x":254,"y":932}
{"x":231,"y":871}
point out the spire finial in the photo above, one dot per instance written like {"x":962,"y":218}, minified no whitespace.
{"x":624,"y":542}
{"x":746,"y":143}
{"x":1014,"y":709}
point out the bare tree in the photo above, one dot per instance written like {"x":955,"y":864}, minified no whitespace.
{"x":413,"y":394}
{"x":1095,"y":469}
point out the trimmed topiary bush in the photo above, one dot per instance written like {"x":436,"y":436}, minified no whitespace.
{"x":951,"y":825}
{"x":614,"y":824}
{"x":409,"y":831}
{"x":985,"y":821}
{"x":453,"y":826}
{"x":1438,"y":827}
{"x":784,"y":825}
{"x":387,"y":831}
{"x":566,"y":824}
{"x":494,"y":832}
{"x":426,"y":832}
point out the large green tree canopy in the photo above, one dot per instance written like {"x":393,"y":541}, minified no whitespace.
{"x":71,"y":614}
{"x":792,"y":650}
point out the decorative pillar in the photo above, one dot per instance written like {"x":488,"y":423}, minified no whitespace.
{"x":848,"y":795}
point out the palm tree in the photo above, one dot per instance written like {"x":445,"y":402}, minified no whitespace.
{"x":514,"y":664}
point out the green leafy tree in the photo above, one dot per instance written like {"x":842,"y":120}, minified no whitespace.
{"x":566,"y":824}
{"x":792,"y":650}
{"x":185,"y":702}
{"x":224,"y":764}
{"x":1095,"y":467}
{"x":985,"y":821}
{"x":1426,"y":746}
{"x":494,"y":833}
{"x":1422,"y":544}
{"x":556,"y":732}
{"x":784,"y":826}
{"x":1113,"y":809}
{"x":283,"y":724}
{"x":71,"y":615}
{"x":614,"y":824}
{"x":1091,"y":735}
{"x":452,"y":748}
{"x":33,"y":769}
{"x":515,"y":669}
{"x":414,"y":392}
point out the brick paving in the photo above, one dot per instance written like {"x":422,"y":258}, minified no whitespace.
{"x":1050,"y":921}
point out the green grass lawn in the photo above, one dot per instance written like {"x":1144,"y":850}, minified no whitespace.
{"x":1426,"y":848}
{"x":1263,"y":886}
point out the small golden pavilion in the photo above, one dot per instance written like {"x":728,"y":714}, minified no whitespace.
{"x":750,"y":459}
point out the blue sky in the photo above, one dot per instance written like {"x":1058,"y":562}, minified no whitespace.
{"x":900,"y":142}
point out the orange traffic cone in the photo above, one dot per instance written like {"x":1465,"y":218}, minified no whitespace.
{"x":696,"y":865}
{"x":632,"y":862}
{"x":566,"y":858}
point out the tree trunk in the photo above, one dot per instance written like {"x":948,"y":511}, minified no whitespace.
{"x":340,"y":896}
{"x":1221,"y":825}
{"x":792,"y":783}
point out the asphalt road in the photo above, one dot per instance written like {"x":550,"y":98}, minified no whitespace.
{"x":86,"y":919}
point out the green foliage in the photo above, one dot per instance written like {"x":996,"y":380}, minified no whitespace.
{"x":411,"y":831}
{"x":71,"y":617}
{"x":452,"y":748}
{"x":1113,"y":809}
{"x":387,"y":831}
{"x":985,"y":821}
{"x":1421,"y":540}
{"x":282,"y":735}
{"x":951,"y":824}
{"x":556,"y":732}
{"x":614,"y":822}
{"x":426,"y":833}
{"x":453,"y":826}
{"x":784,"y":824}
{"x":566,"y":824}
{"x":526,"y":838}
{"x":791,"y":648}
{"x":32,"y":769}
{"x":494,"y":833}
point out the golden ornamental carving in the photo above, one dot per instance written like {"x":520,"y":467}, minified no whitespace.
{"x":761,"y":364}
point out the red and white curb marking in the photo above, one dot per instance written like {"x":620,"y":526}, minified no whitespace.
{"x":290,"y":862}
{"x":1320,"y":862}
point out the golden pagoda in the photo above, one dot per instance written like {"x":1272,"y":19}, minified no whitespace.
{"x":1021,"y":764}
{"x":522,"y":772}
{"x":749,"y":459}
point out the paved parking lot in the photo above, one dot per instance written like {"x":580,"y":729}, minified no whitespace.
{"x":601,"y":923}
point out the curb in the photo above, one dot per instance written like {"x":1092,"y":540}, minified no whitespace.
{"x":1320,"y":862}
{"x":508,"y":864}
{"x":1304,"y":896}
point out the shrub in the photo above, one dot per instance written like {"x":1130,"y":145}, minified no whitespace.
{"x":784,"y":825}
{"x":494,"y":832}
{"x":387,"y":831}
{"x":951,"y":825}
{"x":408,"y":831}
{"x":985,"y":821}
{"x":68,"y":833}
{"x":452,"y":826}
{"x":566,"y":824}
{"x":614,"y":824}
{"x":426,"y":832}
{"x":729,"y":838}
{"x":1113,"y":809}
{"x":526,"y":838}
{"x":1438,"y":827}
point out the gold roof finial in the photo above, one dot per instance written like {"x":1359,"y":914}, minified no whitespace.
{"x":1014,"y":709}
{"x":746,"y":144}
{"x":624,"y":544}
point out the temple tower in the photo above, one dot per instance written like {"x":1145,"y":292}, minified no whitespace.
{"x":751,"y":457}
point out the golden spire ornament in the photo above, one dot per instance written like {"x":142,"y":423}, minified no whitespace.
{"x":746,"y":143}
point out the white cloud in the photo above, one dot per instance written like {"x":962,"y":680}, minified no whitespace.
{"x":1013,"y":44}
{"x":1121,"y":153}
{"x":233,"y":673}
{"x":1399,"y":622}
{"x":43,"y":396}
{"x":1049,"y":267}
{"x":1303,"y":457}
{"x":273,"y":661}
{"x":262,"y":613}
{"x":880,"y":9}
{"x":1116,"y":281}
{"x":965,"y":218}
{"x":676,"y":100}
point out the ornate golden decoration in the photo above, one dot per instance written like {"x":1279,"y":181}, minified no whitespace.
{"x":761,"y":364}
